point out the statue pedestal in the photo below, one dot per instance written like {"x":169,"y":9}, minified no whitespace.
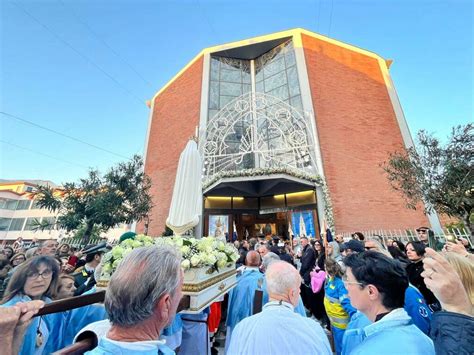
{"x":204,"y":287}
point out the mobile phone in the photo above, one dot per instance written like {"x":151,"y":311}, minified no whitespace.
{"x":451,"y":238}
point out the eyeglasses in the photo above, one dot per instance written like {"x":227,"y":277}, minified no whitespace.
{"x":370,"y":248}
{"x":347,"y":282}
{"x":45,"y":274}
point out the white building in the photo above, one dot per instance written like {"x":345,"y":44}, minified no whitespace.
{"x":19,"y":213}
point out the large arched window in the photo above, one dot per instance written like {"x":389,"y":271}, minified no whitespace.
{"x":255,"y":115}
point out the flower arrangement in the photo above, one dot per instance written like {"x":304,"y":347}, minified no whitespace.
{"x":261,"y":172}
{"x":205,"y":252}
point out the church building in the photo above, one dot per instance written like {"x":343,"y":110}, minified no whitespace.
{"x":292,"y":128}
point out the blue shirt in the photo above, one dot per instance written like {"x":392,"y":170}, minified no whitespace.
{"x":107,"y":347}
{"x":393,"y":334}
{"x":278,"y":329}
{"x":53,"y":323}
{"x":61,"y":327}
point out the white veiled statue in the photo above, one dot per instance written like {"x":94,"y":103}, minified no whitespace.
{"x":186,"y":203}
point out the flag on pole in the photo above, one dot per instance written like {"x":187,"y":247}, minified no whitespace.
{"x":290,"y":230}
{"x":326,"y":232}
{"x":302,"y":227}
{"x":324,"y":226}
{"x":234,"y":233}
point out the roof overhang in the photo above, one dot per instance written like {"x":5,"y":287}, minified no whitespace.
{"x":251,"y":51}
{"x":255,"y":186}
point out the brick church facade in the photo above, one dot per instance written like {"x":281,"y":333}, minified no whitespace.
{"x":312,"y":117}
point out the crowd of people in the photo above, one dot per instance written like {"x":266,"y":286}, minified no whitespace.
{"x":358,"y":296}
{"x":46,"y":272}
{"x":372,"y":295}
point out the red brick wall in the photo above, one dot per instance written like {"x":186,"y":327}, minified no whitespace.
{"x":175,"y":116}
{"x":357,"y":127}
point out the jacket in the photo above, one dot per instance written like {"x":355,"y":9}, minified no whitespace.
{"x":353,"y":335}
{"x":417,"y":309}
{"x":337,"y":303}
{"x":393,"y":334}
{"x":308,"y":259}
{"x":414,"y":271}
{"x":452,"y":333}
{"x":81,"y":275}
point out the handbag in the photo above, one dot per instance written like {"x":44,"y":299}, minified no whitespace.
{"x":317,"y":279}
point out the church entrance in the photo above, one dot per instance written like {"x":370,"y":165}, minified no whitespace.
{"x":239,"y":218}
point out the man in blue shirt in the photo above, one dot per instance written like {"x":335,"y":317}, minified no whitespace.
{"x":141,"y":300}
{"x":290,"y":332}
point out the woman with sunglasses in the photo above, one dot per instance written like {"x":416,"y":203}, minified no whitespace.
{"x":35,"y":279}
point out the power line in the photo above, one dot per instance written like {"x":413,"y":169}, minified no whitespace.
{"x":87,"y":59}
{"x":218,"y":37}
{"x":319,"y":15}
{"x":330,"y":18}
{"x":61,"y":134}
{"x":89,"y":28}
{"x":44,"y":154}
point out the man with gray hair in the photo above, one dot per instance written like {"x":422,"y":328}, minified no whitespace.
{"x":299,"y":335}
{"x":141,"y":299}
{"x":268,"y":259}
{"x":48,"y":247}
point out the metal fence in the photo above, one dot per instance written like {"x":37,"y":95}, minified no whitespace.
{"x":82,"y":242}
{"x":72,"y":241}
{"x":407,"y":235}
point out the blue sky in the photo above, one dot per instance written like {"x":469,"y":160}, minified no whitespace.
{"x":57,"y":72}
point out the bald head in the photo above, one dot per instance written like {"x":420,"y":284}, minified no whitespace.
{"x":252,"y":258}
{"x":283,"y":282}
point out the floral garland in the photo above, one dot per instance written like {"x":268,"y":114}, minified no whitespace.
{"x":328,"y":211}
{"x":205,"y":252}
{"x":262,"y":172}
{"x":318,"y":180}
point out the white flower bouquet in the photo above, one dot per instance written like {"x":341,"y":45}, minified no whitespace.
{"x":196,"y":253}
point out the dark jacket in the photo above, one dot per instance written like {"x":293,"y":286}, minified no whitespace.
{"x":320,"y":259}
{"x":414,"y":271}
{"x":308,"y":259}
{"x":80,"y":277}
{"x":452,"y":333}
{"x":287,"y":257}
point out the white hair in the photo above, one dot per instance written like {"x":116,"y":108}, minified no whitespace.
{"x":141,"y":279}
{"x":281,"y":278}
{"x":379,"y":246}
{"x":269,"y":258}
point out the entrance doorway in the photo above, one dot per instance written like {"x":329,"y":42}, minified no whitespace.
{"x":239,"y":226}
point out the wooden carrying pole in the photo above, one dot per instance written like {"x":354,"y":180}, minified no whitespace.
{"x":85,"y":300}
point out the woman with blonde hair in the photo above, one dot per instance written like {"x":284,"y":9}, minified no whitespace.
{"x":465,"y":269}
